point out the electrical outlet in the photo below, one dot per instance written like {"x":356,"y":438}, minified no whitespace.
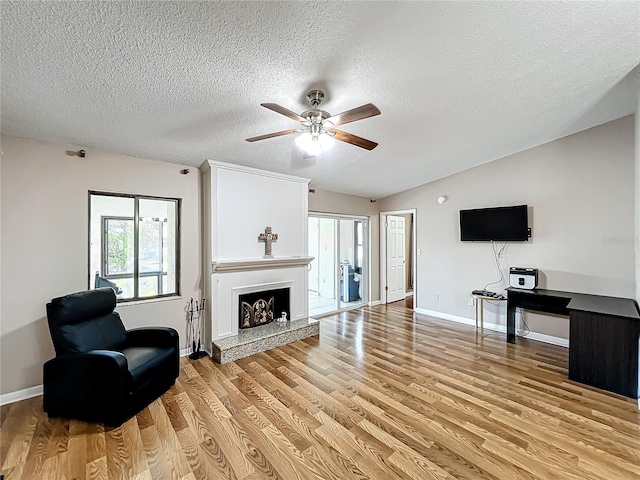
{"x":470,"y":301}
{"x":437,"y":297}
{"x":419,"y":252}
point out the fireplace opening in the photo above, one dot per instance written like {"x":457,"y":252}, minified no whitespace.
{"x":260,"y":308}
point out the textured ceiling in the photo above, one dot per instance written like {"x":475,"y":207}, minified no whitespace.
{"x":458,"y":83}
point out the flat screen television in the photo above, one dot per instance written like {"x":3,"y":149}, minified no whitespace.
{"x":500,"y":224}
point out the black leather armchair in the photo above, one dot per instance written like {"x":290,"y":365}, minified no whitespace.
{"x":102,"y":372}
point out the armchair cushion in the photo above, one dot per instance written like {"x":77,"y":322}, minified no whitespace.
{"x":152,"y":337}
{"x":85,"y":321}
{"x":144,"y":362}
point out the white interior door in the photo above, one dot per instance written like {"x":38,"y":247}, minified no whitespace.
{"x":396,"y":259}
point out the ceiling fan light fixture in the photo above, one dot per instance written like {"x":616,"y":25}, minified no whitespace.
{"x":314,"y":148}
{"x":303,"y":141}
{"x":327,"y":142}
{"x":314,"y":144}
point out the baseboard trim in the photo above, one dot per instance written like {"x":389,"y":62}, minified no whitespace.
{"x":408,"y":294}
{"x":31,"y":392}
{"x":459,"y":319}
{"x":18,"y":395}
{"x":540,"y":337}
{"x":374,"y":303}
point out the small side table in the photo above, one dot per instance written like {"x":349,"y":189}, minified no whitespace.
{"x":480,"y":307}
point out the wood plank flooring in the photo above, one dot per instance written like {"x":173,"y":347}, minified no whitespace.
{"x":381,"y":395}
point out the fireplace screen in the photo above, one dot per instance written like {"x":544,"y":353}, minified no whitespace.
{"x":260,"y":308}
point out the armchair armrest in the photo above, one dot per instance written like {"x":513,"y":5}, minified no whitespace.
{"x":97,"y":377}
{"x":153,"y":337}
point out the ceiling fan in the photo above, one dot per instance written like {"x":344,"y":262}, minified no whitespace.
{"x":318,"y":127}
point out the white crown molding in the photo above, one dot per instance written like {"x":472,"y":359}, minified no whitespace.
{"x":255,"y":171}
{"x":258,"y":264}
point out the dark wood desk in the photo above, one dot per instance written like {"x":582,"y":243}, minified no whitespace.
{"x":604,"y":335}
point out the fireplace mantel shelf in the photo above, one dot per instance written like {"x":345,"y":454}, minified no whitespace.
{"x":259,"y":263}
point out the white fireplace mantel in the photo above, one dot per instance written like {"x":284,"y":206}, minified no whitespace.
{"x":225,"y":266}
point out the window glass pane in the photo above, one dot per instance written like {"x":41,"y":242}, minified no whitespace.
{"x":157,"y":254}
{"x":151,"y":241}
{"x":119,"y":251}
{"x":115,"y":258}
{"x":111,"y":244}
{"x":148,"y":285}
{"x":126,"y":284}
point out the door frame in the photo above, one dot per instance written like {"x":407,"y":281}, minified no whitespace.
{"x":383,"y":253}
{"x":367,"y":255}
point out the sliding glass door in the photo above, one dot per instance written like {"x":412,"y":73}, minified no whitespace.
{"x":338,"y":273}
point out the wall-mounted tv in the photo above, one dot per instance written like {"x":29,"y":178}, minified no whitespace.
{"x":500,"y":224}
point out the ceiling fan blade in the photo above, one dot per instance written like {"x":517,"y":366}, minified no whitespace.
{"x":358,"y":113}
{"x":284,"y":111}
{"x":354,"y":139}
{"x":271,"y":135}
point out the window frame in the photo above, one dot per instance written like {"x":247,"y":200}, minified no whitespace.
{"x":104,"y":219}
{"x":358,"y":241}
{"x":136,"y":247}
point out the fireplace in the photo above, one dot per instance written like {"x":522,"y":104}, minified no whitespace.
{"x":263,"y":306}
{"x":234,"y":200}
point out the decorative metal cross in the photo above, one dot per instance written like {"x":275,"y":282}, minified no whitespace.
{"x":267,"y":237}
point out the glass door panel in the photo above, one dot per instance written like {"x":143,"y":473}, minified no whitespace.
{"x":323,"y":268}
{"x":337,"y":275}
{"x":352,"y":279}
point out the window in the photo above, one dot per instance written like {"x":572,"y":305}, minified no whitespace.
{"x":134,"y":245}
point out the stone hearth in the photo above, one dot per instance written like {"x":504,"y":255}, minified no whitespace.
{"x":265,"y":337}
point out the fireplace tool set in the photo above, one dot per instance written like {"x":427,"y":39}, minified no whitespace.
{"x":195,"y":328}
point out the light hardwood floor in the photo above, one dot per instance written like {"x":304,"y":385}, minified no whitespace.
{"x":381,"y":395}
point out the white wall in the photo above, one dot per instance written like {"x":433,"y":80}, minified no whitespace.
{"x":323,"y":201}
{"x":44,"y":246}
{"x":581,"y":193}
{"x":247,"y":202}
{"x":637,"y":192}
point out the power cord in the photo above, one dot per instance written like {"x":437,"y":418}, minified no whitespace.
{"x":494,"y":333}
{"x":497,"y":254}
{"x":525,"y":323}
{"x":522,"y":319}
